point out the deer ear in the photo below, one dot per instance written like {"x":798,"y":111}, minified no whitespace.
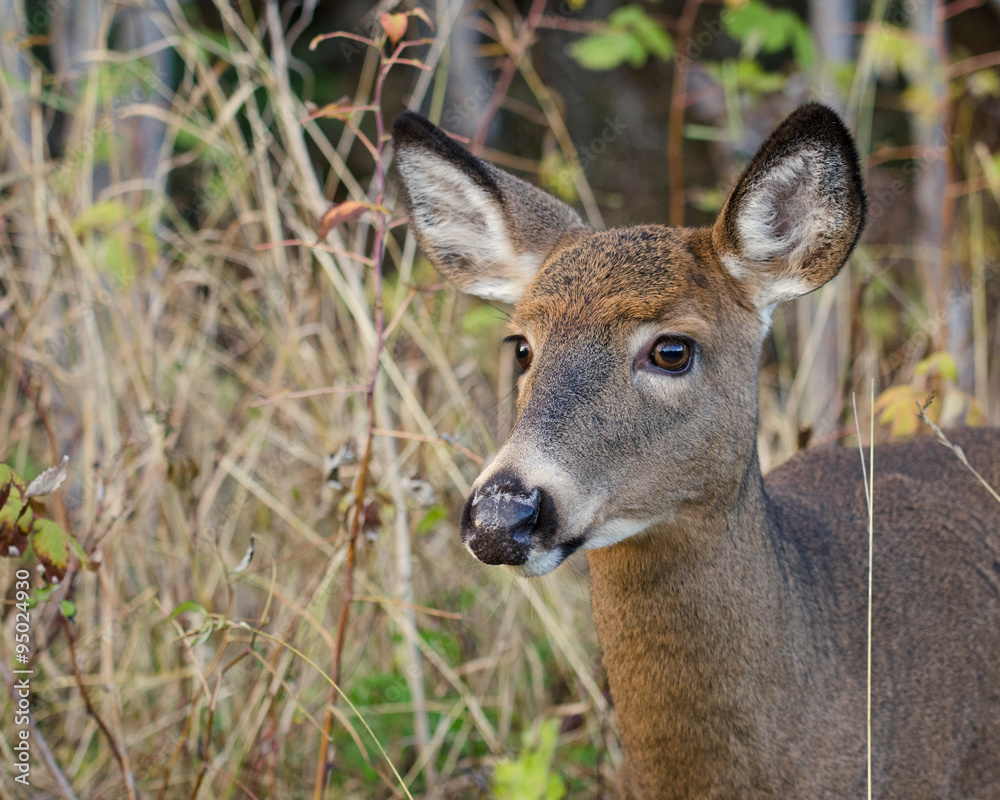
{"x":796,"y":212}
{"x":484,"y":230}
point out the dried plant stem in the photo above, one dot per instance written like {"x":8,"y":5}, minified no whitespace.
{"x":116,"y":749}
{"x":517,"y":51}
{"x":323,"y":763}
{"x":868,"y":474}
{"x":958,"y":451}
{"x":678,"y":104}
{"x":404,"y":588}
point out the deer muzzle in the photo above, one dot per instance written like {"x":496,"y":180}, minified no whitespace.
{"x":503,"y":520}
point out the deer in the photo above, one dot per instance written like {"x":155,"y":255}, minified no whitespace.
{"x":730,"y":607}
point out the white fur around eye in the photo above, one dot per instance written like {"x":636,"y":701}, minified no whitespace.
{"x":463,"y":223}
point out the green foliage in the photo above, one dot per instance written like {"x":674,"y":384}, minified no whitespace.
{"x":115,"y":235}
{"x":747,"y":75}
{"x":896,"y":52}
{"x":629,"y":36}
{"x":942,"y":364}
{"x":481,"y":319}
{"x":445,"y":643}
{"x":22,"y":526}
{"x":530,"y":775}
{"x":762,"y":29}
{"x":555,"y":173}
{"x":434,"y":515}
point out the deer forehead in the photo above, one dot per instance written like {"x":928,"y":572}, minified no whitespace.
{"x":626,"y":279}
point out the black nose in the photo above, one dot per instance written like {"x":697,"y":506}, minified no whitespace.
{"x":502,"y":519}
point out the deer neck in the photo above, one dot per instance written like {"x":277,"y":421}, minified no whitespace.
{"x":699,"y":628}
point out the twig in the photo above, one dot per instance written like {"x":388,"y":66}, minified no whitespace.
{"x":678,"y":103}
{"x":973,"y":64}
{"x":324,"y":762}
{"x":419,"y":437}
{"x":433,"y":612}
{"x":869,"y":483}
{"x":956,"y":449}
{"x":116,"y":750}
{"x":528,"y":27}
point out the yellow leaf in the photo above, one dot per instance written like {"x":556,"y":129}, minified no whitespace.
{"x":942,"y":364}
{"x":897,"y":406}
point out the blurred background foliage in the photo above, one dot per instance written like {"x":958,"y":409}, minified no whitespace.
{"x":209,"y":302}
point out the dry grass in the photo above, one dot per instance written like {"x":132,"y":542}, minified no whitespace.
{"x":208,"y":376}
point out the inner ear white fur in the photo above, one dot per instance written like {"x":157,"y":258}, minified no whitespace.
{"x":782,"y":218}
{"x":463,"y":226}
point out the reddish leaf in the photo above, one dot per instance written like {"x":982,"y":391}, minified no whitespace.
{"x":345,"y":212}
{"x":395,"y":26}
{"x":339,"y":214}
{"x":340,"y":109}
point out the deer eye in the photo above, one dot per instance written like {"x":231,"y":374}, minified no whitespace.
{"x":672,"y":354}
{"x":522,"y":352}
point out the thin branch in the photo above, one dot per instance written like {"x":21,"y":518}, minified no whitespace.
{"x":324,"y":761}
{"x":116,"y":749}
{"x":524,"y":36}
{"x":678,"y":103}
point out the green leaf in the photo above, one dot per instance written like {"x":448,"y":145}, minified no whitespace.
{"x":804,"y":47}
{"x":942,"y":364}
{"x":627,"y":16}
{"x":15,"y":515}
{"x":187,"y":605}
{"x":647,"y":31}
{"x":896,"y":52}
{"x":750,"y":75}
{"x":530,"y":776}
{"x":68,"y":609}
{"x":101,"y":216}
{"x":607,"y":50}
{"x":556,"y":174}
{"x":747,"y":23}
{"x":481,"y":319}
{"x":655,"y":39}
{"x":118,"y":262}
{"x":760,"y":28}
{"x":430,"y":520}
{"x":778,"y":30}
{"x":51,"y":545}
{"x":7,"y":476}
{"x":41,"y":594}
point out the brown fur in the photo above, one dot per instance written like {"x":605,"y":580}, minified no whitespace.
{"x":731,"y":609}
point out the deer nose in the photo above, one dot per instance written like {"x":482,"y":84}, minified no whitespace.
{"x":499,"y":521}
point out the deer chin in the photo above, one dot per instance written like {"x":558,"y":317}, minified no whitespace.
{"x":545,"y":562}
{"x":542,"y":561}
